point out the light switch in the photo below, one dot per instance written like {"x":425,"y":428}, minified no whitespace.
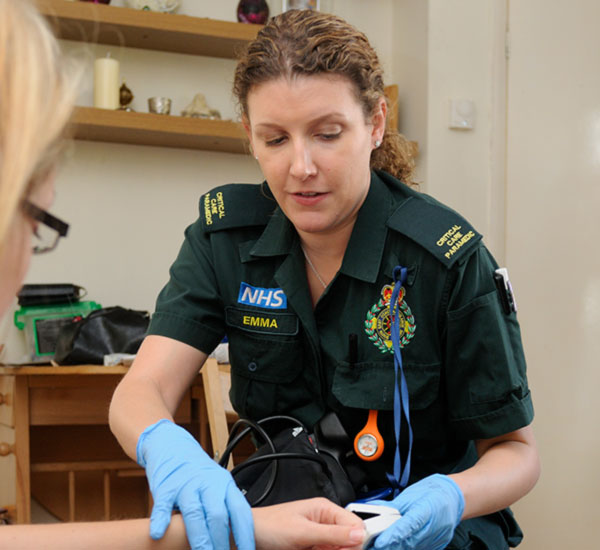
{"x":462,"y":114}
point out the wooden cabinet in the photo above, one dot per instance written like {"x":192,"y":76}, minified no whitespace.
{"x":98,"y":23}
{"x":55,"y":439}
{"x":56,"y":443}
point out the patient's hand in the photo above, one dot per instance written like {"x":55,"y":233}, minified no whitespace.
{"x":313,"y":523}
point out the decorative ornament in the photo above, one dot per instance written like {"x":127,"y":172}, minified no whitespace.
{"x":159,"y":105}
{"x":379,"y":322}
{"x":165,"y":6}
{"x":198,"y":108}
{"x":300,"y":5}
{"x":253,"y":11}
{"x":125,"y":98}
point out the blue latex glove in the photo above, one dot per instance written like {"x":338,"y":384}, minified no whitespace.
{"x":431,"y":509}
{"x":181,"y":474}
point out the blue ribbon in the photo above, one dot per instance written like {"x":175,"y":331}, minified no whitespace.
{"x":400,"y":478}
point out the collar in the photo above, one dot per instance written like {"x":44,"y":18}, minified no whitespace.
{"x":277,"y":239}
{"x":365,"y":248}
{"x":367,"y":242}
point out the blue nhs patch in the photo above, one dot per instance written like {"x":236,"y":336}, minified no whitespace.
{"x":268,"y":298}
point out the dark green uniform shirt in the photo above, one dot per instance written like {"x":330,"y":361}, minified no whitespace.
{"x":241,"y":272}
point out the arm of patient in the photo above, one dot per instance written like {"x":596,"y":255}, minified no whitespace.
{"x":291,"y":526}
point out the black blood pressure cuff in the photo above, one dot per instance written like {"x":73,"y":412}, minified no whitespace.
{"x":497,"y":531}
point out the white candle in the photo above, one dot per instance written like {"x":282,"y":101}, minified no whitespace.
{"x":106,"y":83}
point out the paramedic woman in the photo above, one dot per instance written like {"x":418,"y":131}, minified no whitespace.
{"x":305,"y":273}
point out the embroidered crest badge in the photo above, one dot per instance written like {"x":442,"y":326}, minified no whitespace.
{"x":378,"y":323}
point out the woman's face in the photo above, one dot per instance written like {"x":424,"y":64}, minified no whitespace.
{"x":14,"y":261}
{"x":313,"y":145}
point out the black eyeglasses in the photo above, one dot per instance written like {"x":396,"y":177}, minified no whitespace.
{"x":51,"y":230}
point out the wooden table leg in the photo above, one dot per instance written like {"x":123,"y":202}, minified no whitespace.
{"x":21,"y":405}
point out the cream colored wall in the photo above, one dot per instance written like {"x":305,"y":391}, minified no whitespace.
{"x":535,"y":198}
{"x":465,"y":168}
{"x":410,"y":71}
{"x":553,"y":197}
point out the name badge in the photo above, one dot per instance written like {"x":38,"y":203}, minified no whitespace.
{"x":267,"y":298}
{"x":285,"y":324}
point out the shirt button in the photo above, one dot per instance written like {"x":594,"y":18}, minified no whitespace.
{"x":252,"y":366}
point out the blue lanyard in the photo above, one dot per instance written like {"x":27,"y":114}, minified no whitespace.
{"x":400,"y":478}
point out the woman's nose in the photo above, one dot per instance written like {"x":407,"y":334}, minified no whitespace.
{"x":303,"y":165}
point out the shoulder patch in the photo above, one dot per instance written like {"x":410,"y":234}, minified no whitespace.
{"x":235,"y":205}
{"x":437,"y":228}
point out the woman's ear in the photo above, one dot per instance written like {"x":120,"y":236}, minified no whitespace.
{"x":378,"y":119}
{"x":248,"y":130}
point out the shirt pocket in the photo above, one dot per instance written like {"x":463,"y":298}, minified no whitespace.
{"x":266,"y":374}
{"x":371,"y":385}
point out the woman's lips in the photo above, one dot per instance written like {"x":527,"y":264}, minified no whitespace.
{"x":308,"y":198}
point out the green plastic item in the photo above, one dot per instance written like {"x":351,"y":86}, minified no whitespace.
{"x":42,"y":324}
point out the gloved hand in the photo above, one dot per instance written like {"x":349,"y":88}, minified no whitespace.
{"x":181,"y":474}
{"x":431,"y":509}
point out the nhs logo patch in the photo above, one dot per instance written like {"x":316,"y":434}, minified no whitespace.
{"x":268,"y":298}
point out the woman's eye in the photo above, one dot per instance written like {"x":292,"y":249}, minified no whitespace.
{"x":331,"y":137}
{"x":275,"y":141}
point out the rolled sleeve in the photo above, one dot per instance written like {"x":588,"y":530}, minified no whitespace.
{"x":486,"y":386}
{"x":189,"y":308}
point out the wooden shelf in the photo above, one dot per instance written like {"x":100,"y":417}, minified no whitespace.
{"x":98,"y":23}
{"x":102,"y":24}
{"x":94,"y":124}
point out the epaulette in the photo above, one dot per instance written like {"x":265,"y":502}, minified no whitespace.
{"x":437,"y":228}
{"x":235,"y":205}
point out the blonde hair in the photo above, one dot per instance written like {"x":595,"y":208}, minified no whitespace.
{"x":37,"y":93}
{"x":306,"y":42}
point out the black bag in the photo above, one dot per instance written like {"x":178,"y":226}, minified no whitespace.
{"x":104,"y":331}
{"x":290,"y":466}
{"x":49,"y":294}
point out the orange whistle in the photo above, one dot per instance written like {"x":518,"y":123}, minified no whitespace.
{"x":368,"y":443}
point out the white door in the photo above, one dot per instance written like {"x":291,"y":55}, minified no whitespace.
{"x":553,"y":250}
